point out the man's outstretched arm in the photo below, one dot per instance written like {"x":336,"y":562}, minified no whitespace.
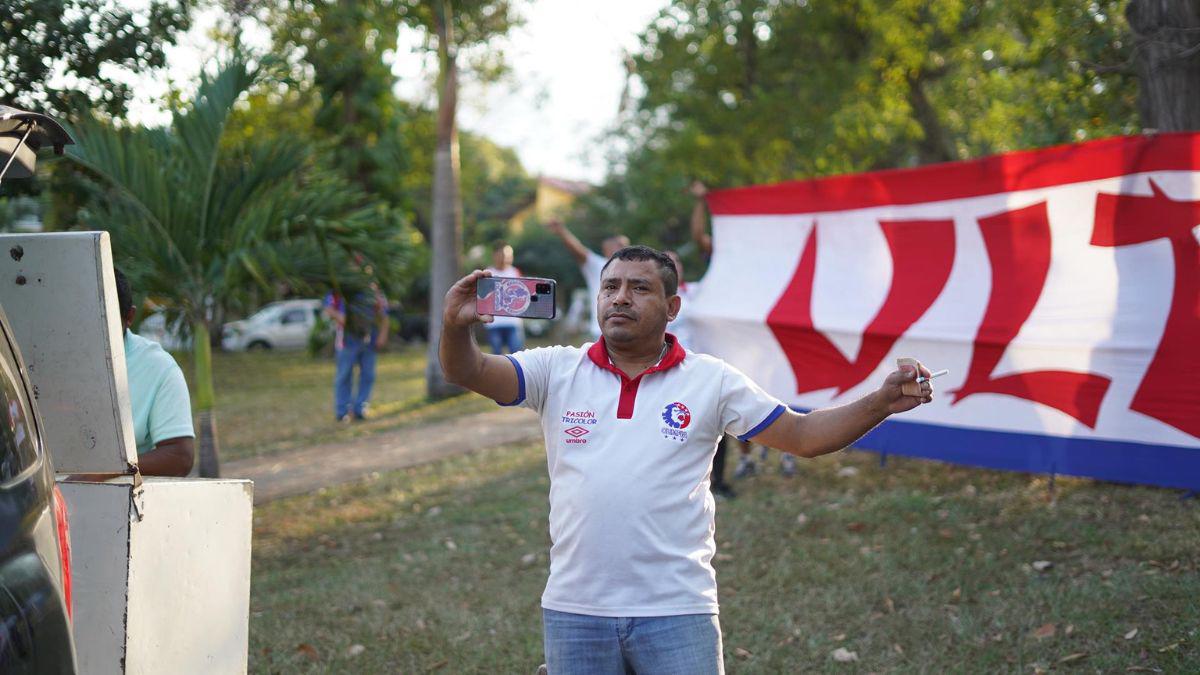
{"x":828,"y":430}
{"x":578,"y":251}
{"x":462,"y":363}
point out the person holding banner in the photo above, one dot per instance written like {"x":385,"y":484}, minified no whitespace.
{"x":632,"y":587}
{"x":684,"y":330}
{"x":745,"y":466}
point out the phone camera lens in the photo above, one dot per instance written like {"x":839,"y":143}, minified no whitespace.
{"x":543,"y":289}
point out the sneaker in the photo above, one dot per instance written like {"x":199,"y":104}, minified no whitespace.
{"x":787,"y":465}
{"x":342,"y":419}
{"x":745,"y":467}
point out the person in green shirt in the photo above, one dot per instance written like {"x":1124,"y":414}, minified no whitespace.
{"x":158,"y":396}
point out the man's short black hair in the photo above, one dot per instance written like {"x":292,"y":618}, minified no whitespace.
{"x":124,"y":293}
{"x":499,"y":244}
{"x":666,"y":266}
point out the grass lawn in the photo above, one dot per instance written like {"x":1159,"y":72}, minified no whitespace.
{"x":918,"y":567}
{"x":270,"y":402}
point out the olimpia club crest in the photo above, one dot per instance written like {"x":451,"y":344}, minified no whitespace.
{"x":677,"y":418}
{"x":512,"y":296}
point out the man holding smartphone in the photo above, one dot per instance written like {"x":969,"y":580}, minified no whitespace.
{"x":632,"y":587}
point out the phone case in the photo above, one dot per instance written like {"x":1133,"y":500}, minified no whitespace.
{"x":519,"y":297}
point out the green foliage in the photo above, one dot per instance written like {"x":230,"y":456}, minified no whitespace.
{"x":199,"y":222}
{"x":342,"y":99}
{"x":493,"y":183}
{"x":56,"y":55}
{"x":538,"y":253}
{"x":474,"y":22}
{"x":751,"y":91}
{"x":342,"y":46}
{"x":320,"y":338}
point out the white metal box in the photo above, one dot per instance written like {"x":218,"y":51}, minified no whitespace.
{"x":161,"y":575}
{"x":160,"y":567}
{"x":60,"y":297}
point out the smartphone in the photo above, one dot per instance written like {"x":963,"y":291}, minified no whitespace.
{"x":524,"y":297}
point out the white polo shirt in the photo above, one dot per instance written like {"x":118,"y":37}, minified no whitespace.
{"x":631,"y":515}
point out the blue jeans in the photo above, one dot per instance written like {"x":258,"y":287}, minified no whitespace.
{"x":500,"y":337}
{"x":354,"y":351}
{"x":577,"y":644}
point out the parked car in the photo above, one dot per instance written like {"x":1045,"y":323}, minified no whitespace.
{"x":35,"y":551}
{"x":279,"y":325}
{"x":155,"y":327}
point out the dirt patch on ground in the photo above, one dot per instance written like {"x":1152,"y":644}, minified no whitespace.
{"x":329,"y":464}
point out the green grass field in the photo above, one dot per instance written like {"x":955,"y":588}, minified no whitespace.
{"x":918,"y":567}
{"x":269,"y":402}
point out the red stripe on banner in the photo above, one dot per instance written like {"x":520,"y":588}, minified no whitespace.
{"x":1009,"y":172}
{"x":816,"y":361}
{"x":1018,"y":246}
{"x":1171,"y":387}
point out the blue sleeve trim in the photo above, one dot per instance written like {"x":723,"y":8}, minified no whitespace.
{"x":520,"y":383}
{"x":779,"y":410}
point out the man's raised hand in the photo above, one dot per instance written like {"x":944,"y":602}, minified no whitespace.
{"x":460,"y":301}
{"x":894,"y":399}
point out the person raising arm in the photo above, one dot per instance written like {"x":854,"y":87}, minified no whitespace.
{"x":699,"y":221}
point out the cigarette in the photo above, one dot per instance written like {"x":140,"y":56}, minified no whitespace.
{"x":939,"y":373}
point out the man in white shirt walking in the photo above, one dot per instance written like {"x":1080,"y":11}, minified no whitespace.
{"x":632,"y":587}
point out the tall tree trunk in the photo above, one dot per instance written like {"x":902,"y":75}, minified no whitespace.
{"x":446,"y":225}
{"x":935,"y":144}
{"x":1168,"y":62}
{"x":206,"y":420}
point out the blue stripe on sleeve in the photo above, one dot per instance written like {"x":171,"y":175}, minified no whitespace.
{"x":779,"y":410}
{"x":520,"y":383}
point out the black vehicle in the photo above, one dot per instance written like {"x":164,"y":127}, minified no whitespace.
{"x":35,"y":554}
{"x":35,"y":550}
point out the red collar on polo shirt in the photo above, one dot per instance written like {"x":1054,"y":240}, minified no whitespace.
{"x":598,"y":353}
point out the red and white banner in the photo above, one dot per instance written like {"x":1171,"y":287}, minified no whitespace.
{"x":1060,"y":287}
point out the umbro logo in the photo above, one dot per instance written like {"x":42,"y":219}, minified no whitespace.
{"x":577,"y":423}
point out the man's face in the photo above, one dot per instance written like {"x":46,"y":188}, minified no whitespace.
{"x":502,"y":257}
{"x":633,"y":305}
{"x":614,"y":244}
